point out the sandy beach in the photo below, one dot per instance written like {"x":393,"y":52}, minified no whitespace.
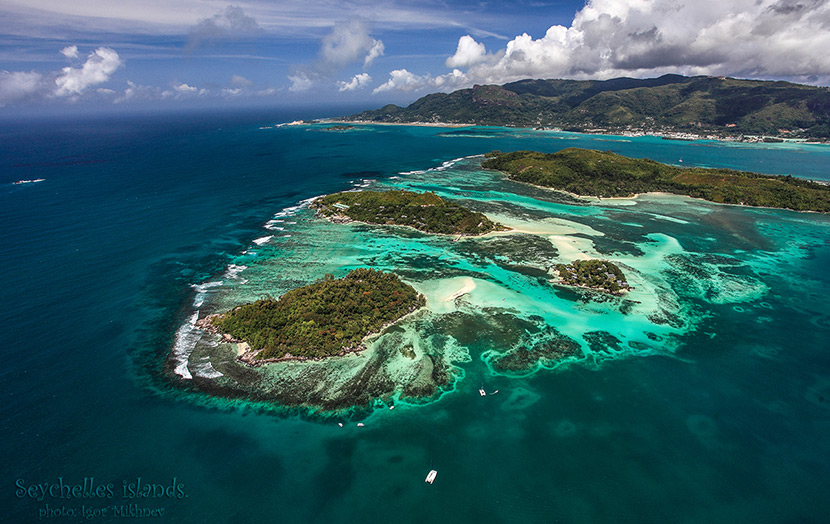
{"x":466,"y":288}
{"x":419,"y":124}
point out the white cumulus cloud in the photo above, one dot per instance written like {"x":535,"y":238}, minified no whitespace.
{"x":468,"y":53}
{"x":375,"y":51}
{"x":70,"y":51}
{"x":97,"y":69}
{"x":69,"y":83}
{"x":358,"y":82}
{"x":348,"y":43}
{"x":300,"y":82}
{"x":16,"y":86}
{"x":403,"y":80}
{"x":184,"y":88}
{"x":642,"y":38}
{"x":177,"y":92}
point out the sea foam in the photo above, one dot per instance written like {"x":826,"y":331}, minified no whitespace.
{"x":201,"y":292}
{"x":206,"y":370}
{"x":234,"y":270}
{"x":186,"y":338}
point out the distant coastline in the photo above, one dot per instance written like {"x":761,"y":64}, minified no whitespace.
{"x":674,"y":107}
{"x":371,"y":123}
{"x":665,"y":135}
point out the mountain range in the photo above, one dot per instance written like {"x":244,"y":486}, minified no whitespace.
{"x":700,"y":105}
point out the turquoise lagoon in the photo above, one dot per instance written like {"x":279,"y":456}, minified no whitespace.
{"x":700,"y":396}
{"x":492,"y":312}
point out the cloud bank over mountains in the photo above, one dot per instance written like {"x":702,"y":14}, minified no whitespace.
{"x":610,"y":38}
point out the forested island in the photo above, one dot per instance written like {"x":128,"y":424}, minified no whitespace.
{"x":601,"y":275}
{"x":339,"y":127}
{"x":587,"y":172}
{"x":327,"y":318}
{"x":701,"y":105}
{"x":423,"y":211}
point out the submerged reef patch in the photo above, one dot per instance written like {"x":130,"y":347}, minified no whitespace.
{"x":545,"y":348}
{"x":489,"y":306}
{"x":714,"y":278}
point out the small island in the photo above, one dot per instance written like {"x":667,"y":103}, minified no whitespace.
{"x":600,"y":275}
{"x":426,"y":212}
{"x":327,"y":318}
{"x":338,"y":127}
{"x":587,"y":172}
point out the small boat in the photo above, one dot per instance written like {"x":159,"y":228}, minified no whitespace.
{"x":360,"y":424}
{"x":340,"y":424}
{"x":493,"y":393}
{"x":392,"y":407}
{"x":481,"y":392}
{"x":431,"y":476}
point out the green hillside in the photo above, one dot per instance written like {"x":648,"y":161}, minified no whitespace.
{"x":699,"y":104}
{"x":604,"y":174}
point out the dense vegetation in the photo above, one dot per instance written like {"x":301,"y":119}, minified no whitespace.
{"x":325,"y":318}
{"x":672,"y":102}
{"x":594,"y":274}
{"x":424,"y":211}
{"x":604,"y":174}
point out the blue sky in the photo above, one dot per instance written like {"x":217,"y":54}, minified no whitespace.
{"x":169,"y":53}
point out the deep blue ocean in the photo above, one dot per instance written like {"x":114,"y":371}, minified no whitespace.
{"x":98,"y":263}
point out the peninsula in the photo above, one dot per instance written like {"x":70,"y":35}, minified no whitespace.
{"x":327,"y":318}
{"x":423,"y":211}
{"x":586,"y":172}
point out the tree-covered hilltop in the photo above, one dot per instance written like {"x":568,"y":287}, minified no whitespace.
{"x":326,"y":318}
{"x":594,"y":274}
{"x":604,"y":174}
{"x":424,"y":211}
{"x":699,"y":104}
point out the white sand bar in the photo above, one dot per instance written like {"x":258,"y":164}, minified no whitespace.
{"x":468,"y":286}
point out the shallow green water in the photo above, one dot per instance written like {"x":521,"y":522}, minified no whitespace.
{"x":724,"y":418}
{"x":492,"y":313}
